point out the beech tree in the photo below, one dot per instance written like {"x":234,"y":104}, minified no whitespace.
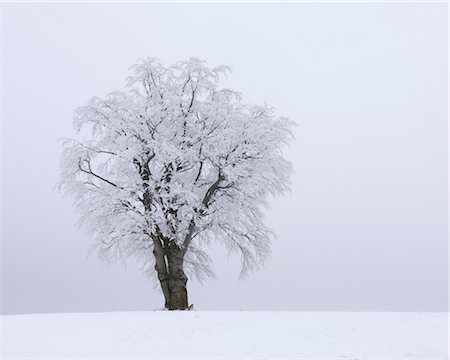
{"x":171,"y":164}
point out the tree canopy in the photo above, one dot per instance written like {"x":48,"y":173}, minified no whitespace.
{"x":176,"y":159}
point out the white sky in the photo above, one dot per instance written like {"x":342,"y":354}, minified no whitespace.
{"x":365,"y":227}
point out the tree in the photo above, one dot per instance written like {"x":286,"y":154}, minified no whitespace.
{"x":171,"y":164}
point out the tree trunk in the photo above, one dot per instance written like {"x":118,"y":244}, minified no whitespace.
{"x":177,"y":278}
{"x":161,"y":269}
{"x":171,"y":276}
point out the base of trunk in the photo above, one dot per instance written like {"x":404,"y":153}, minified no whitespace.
{"x":178,"y":299}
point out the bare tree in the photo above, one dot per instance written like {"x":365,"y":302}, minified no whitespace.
{"x":173,"y":163}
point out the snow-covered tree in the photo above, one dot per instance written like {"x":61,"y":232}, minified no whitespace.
{"x":171,"y":164}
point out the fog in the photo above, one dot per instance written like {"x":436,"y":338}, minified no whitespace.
{"x":365,"y":226}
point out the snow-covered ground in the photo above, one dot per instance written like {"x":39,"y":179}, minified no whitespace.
{"x":237,"y":335}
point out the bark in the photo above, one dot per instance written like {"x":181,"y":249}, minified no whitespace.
{"x":169,"y":259}
{"x":161,"y":269}
{"x":177,"y":278}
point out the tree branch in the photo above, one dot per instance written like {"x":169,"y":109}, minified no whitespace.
{"x":90,"y":172}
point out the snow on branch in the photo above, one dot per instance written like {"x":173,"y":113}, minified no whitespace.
{"x":176,"y":157}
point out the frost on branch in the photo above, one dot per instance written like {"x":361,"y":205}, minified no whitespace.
{"x":176,"y":160}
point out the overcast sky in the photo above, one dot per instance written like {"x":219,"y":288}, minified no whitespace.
{"x":365,"y":227}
